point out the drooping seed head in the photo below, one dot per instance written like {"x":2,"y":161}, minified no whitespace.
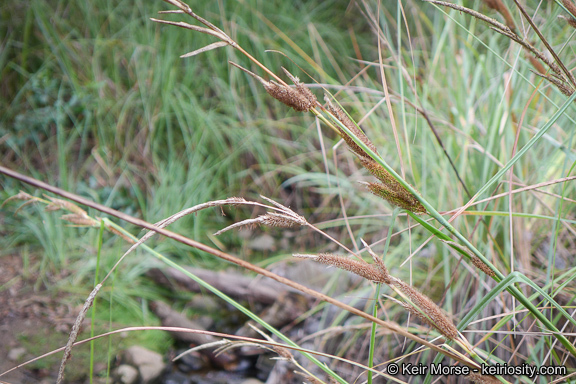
{"x":426,"y":310}
{"x":360,"y":268}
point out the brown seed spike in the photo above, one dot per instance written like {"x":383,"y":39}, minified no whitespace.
{"x":481,"y":266}
{"x":297,"y":98}
{"x":378,"y":263}
{"x":345,"y":120}
{"x":379,"y":172}
{"x":289,"y":96}
{"x":427,"y":310}
{"x":361,"y":268}
{"x":305,"y":92}
{"x":570,"y":7}
{"x":402,"y":199}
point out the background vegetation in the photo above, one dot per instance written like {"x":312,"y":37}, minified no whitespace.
{"x":96,"y":100}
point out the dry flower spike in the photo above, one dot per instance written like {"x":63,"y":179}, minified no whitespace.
{"x":389,"y":189}
{"x":360,"y":268}
{"x":300,"y":98}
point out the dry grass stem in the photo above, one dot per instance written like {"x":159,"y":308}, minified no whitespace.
{"x":496,"y":24}
{"x":213,"y":344}
{"x":565,"y":73}
{"x":74,"y":333}
{"x":234,"y":201}
{"x":360,"y":268}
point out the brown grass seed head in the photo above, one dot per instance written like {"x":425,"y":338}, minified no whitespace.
{"x":481,"y":266}
{"x":348,"y":123}
{"x":292,"y":97}
{"x":428,"y":310}
{"x":570,"y":6}
{"x":402,"y":199}
{"x":360,"y":268}
{"x":379,"y":263}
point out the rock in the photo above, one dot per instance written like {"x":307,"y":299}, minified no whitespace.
{"x":16,"y":353}
{"x":264,"y":242}
{"x":126,"y":374}
{"x":150,"y":364}
{"x":204,"y":303}
{"x":176,"y":378}
{"x":193,"y":361}
{"x":252,"y":381}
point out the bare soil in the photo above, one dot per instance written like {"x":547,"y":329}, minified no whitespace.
{"x":32,"y":319}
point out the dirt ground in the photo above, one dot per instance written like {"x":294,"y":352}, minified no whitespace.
{"x":31,"y":323}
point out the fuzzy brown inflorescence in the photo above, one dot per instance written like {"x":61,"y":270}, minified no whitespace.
{"x":426,"y":310}
{"x":274,"y":219}
{"x":292,"y":97}
{"x":570,"y":6}
{"x":562,"y":86}
{"x":389,"y":188}
{"x":360,"y":268}
{"x":481,"y":266}
{"x":402,"y":199}
{"x":300,"y":98}
{"x":348,"y":123}
{"x":569,"y":19}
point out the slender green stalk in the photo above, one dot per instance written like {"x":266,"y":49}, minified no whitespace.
{"x":377,"y":296}
{"x":93,"y":314}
